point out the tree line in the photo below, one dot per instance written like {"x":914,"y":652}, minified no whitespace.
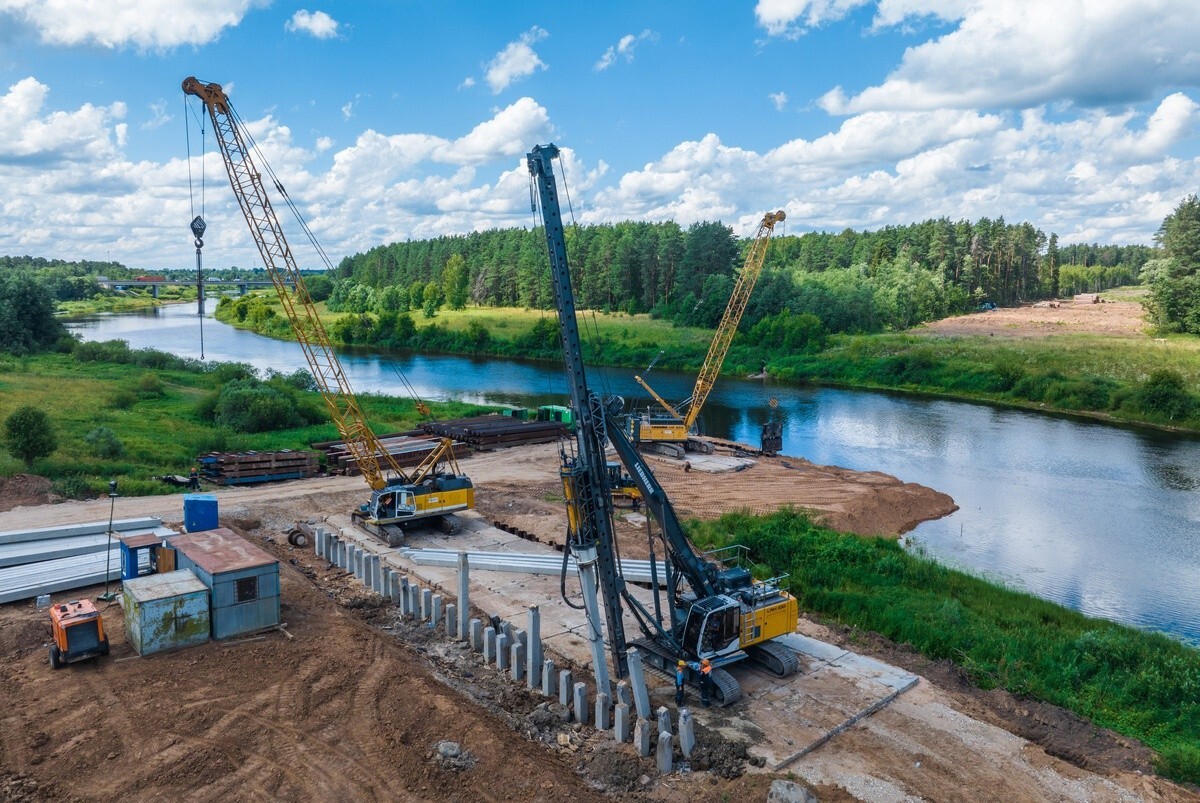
{"x":851,"y":281}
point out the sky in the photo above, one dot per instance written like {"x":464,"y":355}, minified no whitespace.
{"x":389,"y":120}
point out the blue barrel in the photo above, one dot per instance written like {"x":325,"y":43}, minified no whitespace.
{"x":199,"y":512}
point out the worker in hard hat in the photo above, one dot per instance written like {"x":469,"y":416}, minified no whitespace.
{"x":680,"y":679}
{"x":706,"y":681}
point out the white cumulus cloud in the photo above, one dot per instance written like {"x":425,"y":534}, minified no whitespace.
{"x":317,"y":24}
{"x":779,"y":100}
{"x":147,"y":24}
{"x":516,"y":61}
{"x":1023,"y":53}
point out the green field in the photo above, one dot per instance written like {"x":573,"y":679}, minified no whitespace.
{"x":154,"y":414}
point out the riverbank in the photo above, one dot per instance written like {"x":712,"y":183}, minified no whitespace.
{"x":1142,"y":685}
{"x":1091,"y":359}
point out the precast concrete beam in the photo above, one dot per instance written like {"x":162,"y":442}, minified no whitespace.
{"x":664,"y":752}
{"x":564,"y":687}
{"x":637,"y":681}
{"x":489,"y":645}
{"x":476,"y":635}
{"x":621,"y":722}
{"x":579,"y":699}
{"x":502,"y":650}
{"x":464,"y":598}
{"x":601,"y":718}
{"x":641,"y":737}
{"x":687,"y":733}
{"x":517,"y":661}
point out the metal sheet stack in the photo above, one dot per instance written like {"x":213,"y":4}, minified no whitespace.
{"x":49,"y":559}
{"x":497,"y":431}
{"x":406,"y":448}
{"x":239,"y":468}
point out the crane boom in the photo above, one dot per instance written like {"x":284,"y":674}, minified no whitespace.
{"x":281,"y":266}
{"x":727,"y":328}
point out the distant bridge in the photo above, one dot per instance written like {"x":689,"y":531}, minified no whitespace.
{"x":242,"y":285}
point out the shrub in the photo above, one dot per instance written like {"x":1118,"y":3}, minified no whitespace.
{"x":29,"y":434}
{"x":122,"y":399}
{"x":1165,"y":394}
{"x":149,"y":384}
{"x":249,"y":406}
{"x":104,"y":443}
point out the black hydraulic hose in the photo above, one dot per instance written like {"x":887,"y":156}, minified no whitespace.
{"x":562,"y":576}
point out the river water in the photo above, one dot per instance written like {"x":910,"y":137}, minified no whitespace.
{"x":1099,"y":518}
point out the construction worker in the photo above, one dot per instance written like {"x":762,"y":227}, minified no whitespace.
{"x":706,"y":683}
{"x":194,"y":479}
{"x":680,"y":679}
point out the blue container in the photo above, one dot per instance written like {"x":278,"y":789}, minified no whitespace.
{"x":243,"y":579}
{"x":166,"y":611}
{"x":199,"y":512}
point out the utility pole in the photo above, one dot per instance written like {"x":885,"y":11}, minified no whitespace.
{"x":109,"y":596}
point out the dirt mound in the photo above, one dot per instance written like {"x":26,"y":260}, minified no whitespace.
{"x":25,"y":490}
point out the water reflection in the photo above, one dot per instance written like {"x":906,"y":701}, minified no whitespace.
{"x":1104,"y":519}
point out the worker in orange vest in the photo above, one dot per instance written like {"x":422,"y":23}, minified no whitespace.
{"x":706,"y":682}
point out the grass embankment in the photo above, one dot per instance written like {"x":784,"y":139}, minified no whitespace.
{"x":152,"y":403}
{"x":128,"y":301}
{"x":1142,"y":685}
{"x":613,"y":338}
{"x":1124,"y":379}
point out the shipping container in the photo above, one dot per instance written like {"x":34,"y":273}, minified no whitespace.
{"x":166,"y":611}
{"x":243,"y":580}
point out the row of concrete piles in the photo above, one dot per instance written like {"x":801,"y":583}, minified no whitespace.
{"x":518,"y":651}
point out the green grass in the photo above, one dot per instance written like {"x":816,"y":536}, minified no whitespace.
{"x":161,"y":433}
{"x":1143,"y":685}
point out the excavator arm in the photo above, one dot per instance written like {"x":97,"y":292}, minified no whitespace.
{"x":247,"y":183}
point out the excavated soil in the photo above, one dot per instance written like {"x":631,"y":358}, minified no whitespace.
{"x":24,"y":490}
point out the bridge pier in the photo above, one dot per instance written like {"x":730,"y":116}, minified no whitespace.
{"x":154,"y":291}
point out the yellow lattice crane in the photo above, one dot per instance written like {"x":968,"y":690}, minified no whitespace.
{"x":396,"y":499}
{"x":667,"y":432}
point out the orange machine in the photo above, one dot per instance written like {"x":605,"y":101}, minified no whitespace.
{"x":78,"y":633}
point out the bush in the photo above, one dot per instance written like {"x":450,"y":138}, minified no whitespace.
{"x":250,"y":406}
{"x":1165,"y":394}
{"x":149,"y":384}
{"x":29,"y":434}
{"x":104,"y":443}
{"x":122,"y":399}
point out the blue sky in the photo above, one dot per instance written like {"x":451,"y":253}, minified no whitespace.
{"x":390,"y":120}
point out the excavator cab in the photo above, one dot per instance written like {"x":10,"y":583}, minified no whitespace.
{"x":78,"y":633}
{"x":713,"y":627}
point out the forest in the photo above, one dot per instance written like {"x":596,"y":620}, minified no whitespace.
{"x":853,"y":282}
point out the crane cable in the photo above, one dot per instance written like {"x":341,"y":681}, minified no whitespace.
{"x":187,"y":131}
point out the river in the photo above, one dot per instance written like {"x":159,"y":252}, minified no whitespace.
{"x":1099,"y":518}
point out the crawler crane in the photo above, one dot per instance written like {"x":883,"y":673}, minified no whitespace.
{"x":713,"y":609}
{"x":427,"y":494}
{"x":671,"y":433}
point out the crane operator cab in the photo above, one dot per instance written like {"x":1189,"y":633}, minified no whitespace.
{"x":392,"y":503}
{"x":713,"y":627}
